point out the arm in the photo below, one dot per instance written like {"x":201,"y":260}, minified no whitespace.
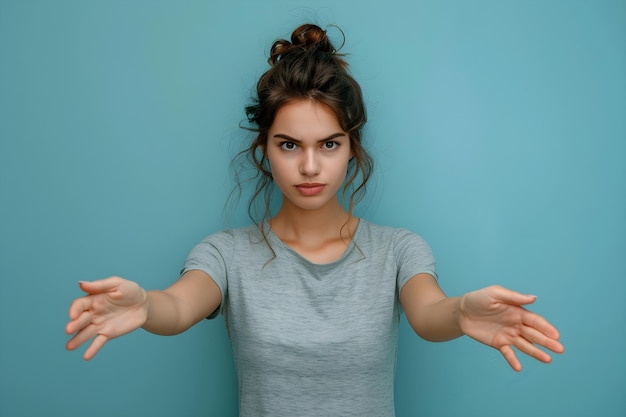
{"x":431,"y":314}
{"x":115,"y":306}
{"x":494,"y":316}
{"x":190,"y":299}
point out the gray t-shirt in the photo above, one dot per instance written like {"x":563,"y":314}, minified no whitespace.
{"x":313,"y":339}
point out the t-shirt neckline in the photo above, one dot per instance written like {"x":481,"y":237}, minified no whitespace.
{"x":274,"y":239}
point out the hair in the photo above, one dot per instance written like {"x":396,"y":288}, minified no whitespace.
{"x":306,"y":67}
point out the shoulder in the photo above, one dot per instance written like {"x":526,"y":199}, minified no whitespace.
{"x":234,"y":234}
{"x":403,"y":250}
{"x":227,"y":240}
{"x":227,"y":247}
{"x":395,"y":235}
{"x":397,"y":242}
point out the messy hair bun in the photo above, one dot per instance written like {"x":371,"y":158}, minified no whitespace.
{"x":308,"y":67}
{"x":305,"y":37}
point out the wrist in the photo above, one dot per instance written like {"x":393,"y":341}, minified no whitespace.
{"x":460,"y":313}
{"x":147,"y":306}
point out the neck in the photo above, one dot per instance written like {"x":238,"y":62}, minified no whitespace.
{"x":332,"y":220}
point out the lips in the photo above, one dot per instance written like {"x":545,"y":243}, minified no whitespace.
{"x":310,"y":189}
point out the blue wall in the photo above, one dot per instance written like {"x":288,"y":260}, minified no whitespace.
{"x":499,"y":130}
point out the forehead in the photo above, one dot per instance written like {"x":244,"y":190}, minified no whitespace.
{"x":305,"y":119}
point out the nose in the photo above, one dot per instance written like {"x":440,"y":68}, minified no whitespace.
{"x":310,"y":164}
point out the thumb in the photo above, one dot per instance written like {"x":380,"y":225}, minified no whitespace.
{"x":504,"y":295}
{"x":100,"y":286}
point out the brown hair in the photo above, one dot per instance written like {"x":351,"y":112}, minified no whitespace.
{"x":307,"y":67}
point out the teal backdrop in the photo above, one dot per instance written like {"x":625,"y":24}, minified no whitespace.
{"x":499,"y":132}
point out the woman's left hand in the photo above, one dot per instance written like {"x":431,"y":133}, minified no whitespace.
{"x":496,"y":317}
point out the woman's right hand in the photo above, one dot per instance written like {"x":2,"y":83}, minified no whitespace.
{"x":112,"y":307}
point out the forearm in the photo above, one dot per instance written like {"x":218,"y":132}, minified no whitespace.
{"x":164,"y":314}
{"x":430,"y":313}
{"x":439,"y":321}
{"x":190,"y":299}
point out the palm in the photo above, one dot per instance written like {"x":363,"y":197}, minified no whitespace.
{"x":495,"y":316}
{"x":115,"y":313}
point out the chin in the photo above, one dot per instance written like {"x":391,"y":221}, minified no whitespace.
{"x":309,"y":203}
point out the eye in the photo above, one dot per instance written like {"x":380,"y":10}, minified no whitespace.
{"x":331,"y":144}
{"x":288,"y":146}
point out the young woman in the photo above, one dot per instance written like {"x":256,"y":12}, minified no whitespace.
{"x":312,"y":295}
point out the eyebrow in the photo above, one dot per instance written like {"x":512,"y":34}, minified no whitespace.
{"x":289,"y":138}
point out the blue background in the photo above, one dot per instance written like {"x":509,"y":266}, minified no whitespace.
{"x":499,"y":132}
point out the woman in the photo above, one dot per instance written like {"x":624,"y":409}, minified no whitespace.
{"x":312,"y":295}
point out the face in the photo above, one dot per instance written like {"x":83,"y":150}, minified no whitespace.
{"x":308,"y":152}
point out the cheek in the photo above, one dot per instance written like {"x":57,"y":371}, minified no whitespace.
{"x":279,"y":169}
{"x":341,"y":170}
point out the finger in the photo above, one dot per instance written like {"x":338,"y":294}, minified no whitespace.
{"x":79,"y":323}
{"x":531,"y":350}
{"x":100,"y":286}
{"x":81,"y":337}
{"x":536,"y":337}
{"x":78,"y":306}
{"x":507,"y":296}
{"x":95,"y":346}
{"x":537,"y":322}
{"x":511,"y":358}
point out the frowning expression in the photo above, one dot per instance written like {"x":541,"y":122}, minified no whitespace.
{"x":308,"y":153}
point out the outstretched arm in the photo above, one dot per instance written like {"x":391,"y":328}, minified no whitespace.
{"x":115,"y":306}
{"x":494,"y":316}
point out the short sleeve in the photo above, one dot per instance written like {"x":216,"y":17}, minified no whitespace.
{"x":212,"y":256}
{"x":413,"y":256}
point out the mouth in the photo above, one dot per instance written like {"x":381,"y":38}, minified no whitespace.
{"x":309,"y":189}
